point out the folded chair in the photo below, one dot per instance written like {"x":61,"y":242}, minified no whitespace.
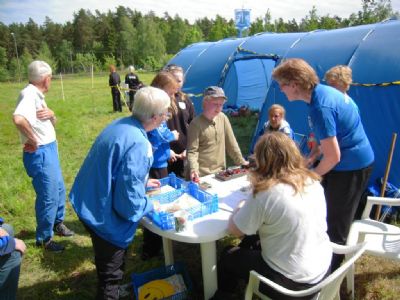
{"x":381,"y":239}
{"x":327,"y":289}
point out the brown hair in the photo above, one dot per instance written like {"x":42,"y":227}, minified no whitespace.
{"x":112,"y":68}
{"x":339,"y":74}
{"x":174,"y":69}
{"x":162,"y":80}
{"x":278,"y":160}
{"x":298,"y":71}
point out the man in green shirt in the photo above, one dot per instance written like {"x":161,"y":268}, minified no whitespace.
{"x":210,"y":136}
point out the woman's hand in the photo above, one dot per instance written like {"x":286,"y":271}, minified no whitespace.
{"x":153,"y":183}
{"x":176,"y":134}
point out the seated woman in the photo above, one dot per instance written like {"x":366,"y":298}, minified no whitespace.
{"x":287,"y":209}
{"x":276,"y":122}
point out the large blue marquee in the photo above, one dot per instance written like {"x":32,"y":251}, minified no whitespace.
{"x":243,"y":68}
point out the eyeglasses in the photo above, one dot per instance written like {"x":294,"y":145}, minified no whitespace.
{"x":166,"y":115}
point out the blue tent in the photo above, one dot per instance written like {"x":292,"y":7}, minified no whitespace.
{"x":243,"y":68}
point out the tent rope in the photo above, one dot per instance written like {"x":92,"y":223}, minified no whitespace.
{"x":376,"y":84}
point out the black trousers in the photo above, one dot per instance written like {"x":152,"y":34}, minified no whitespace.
{"x":236,"y":263}
{"x":116,"y":98}
{"x":177,"y":167}
{"x":110,"y":261}
{"x":131,"y":99}
{"x":343,"y":191}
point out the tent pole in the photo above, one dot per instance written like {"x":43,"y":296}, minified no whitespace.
{"x":385,"y":178}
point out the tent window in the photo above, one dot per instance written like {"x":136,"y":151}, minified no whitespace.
{"x":253,"y":77}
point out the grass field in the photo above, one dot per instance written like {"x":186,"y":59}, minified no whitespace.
{"x":71,"y":275}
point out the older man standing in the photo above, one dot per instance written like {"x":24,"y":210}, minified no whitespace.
{"x":35,"y":122}
{"x":210,"y":136}
{"x":108,"y":194}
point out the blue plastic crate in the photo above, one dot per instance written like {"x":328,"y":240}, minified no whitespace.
{"x":166,"y":220}
{"x":178,"y":184}
{"x":139,"y":279}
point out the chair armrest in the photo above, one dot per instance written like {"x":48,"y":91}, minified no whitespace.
{"x":282,"y":289}
{"x":379,"y":233}
{"x":346,"y":249}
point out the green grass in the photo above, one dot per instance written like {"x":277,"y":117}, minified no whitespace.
{"x":71,"y":275}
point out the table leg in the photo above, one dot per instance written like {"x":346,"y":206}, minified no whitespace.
{"x":209,"y":268}
{"x":168,"y":251}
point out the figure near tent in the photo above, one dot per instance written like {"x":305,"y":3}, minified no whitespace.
{"x":347,"y":160}
{"x":134,"y":83}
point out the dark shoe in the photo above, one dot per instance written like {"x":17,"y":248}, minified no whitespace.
{"x":62,"y":230}
{"x":146,"y":255}
{"x":221,"y":295}
{"x":51,"y":246}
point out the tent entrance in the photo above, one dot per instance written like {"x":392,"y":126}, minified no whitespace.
{"x":248,"y":81}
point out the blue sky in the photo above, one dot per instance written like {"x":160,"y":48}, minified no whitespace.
{"x":61,"y":11}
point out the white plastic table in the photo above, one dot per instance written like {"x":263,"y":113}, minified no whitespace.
{"x":206,"y":230}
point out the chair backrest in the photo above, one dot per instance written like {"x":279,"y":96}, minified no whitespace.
{"x":301,"y":141}
{"x":327,"y":288}
{"x":371,"y":201}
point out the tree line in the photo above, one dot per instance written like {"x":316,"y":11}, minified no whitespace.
{"x":125,"y":36}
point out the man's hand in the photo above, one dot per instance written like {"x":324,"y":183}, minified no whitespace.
{"x":153,"y":183}
{"x":45,"y":114}
{"x":20,"y":246}
{"x":245,"y":163}
{"x":194,"y":176}
{"x":31,"y":146}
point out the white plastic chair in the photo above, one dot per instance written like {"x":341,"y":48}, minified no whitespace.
{"x":327,"y":289}
{"x":382,"y":239}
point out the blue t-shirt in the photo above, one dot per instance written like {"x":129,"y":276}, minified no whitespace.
{"x":330,"y":115}
{"x":108,"y":194}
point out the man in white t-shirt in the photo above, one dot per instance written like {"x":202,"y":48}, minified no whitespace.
{"x":35,"y":123}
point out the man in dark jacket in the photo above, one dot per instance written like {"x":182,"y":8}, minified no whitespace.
{"x":114,"y":81}
{"x":132,"y":80}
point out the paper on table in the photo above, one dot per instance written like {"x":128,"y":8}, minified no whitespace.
{"x":229,"y":192}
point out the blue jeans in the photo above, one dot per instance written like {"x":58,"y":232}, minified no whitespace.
{"x":44,"y":168}
{"x":9,"y":271}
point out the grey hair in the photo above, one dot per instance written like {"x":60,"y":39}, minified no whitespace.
{"x":150,"y":101}
{"x":38,"y":70}
{"x":131,"y":69}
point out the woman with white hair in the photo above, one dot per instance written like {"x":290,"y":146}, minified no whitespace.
{"x":134,"y":83}
{"x":109,"y":194}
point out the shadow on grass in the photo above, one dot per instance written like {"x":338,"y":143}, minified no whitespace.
{"x":363,"y":280}
{"x":79,"y":286}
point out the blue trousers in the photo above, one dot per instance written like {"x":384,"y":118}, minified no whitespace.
{"x":43,"y":167}
{"x":9,"y":271}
